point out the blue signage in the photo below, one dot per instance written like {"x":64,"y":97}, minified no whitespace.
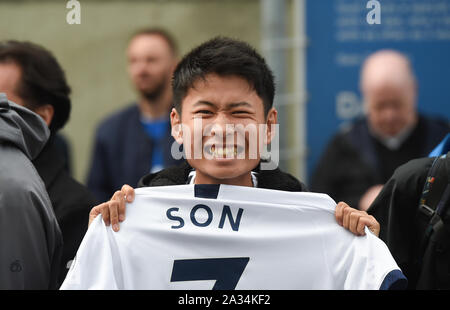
{"x":342,"y":33}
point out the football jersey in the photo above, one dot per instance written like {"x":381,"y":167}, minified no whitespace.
{"x":230,"y":237}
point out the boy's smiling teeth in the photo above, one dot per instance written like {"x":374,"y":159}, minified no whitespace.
{"x":221,"y":152}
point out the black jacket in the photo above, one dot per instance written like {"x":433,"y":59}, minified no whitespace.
{"x":395,"y":208}
{"x":71,"y":201}
{"x":30,"y":237}
{"x":354,"y":160}
{"x":178,"y":175}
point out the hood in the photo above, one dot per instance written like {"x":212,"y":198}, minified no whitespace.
{"x":22,"y":128}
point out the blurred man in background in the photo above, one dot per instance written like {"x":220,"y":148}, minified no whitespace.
{"x":362,"y":157}
{"x":32,"y":77}
{"x":140,"y":133}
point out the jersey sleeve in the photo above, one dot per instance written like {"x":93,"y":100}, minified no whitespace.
{"x":373,"y":268}
{"x":395,"y":280}
{"x":97,"y":262}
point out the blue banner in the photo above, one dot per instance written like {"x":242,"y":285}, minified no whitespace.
{"x":342,"y":33}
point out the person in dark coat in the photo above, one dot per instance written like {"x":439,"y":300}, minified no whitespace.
{"x":140,"y":132}
{"x":30,"y":239}
{"x":36,"y":81}
{"x":397,"y":209}
{"x":362,"y":157}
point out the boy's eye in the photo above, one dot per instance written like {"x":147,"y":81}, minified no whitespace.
{"x":203,"y":112}
{"x":240,"y":112}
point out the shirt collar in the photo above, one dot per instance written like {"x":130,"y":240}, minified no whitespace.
{"x":192,"y":174}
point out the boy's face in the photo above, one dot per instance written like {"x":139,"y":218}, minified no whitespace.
{"x":221,"y":132}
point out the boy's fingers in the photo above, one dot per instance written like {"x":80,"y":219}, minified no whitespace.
{"x":361,"y":226}
{"x":353,"y":222}
{"x":373,"y":225}
{"x":118,"y":195}
{"x":338,"y":213}
{"x":128,"y":191}
{"x":119,"y":199}
{"x":113,"y":211}
{"x":121,"y":210}
{"x":128,"y":196}
{"x":95,"y":211}
{"x":105,"y":213}
{"x":114,"y":214}
{"x":346,"y":216}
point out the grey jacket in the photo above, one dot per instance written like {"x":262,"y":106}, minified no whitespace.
{"x":30,"y":238}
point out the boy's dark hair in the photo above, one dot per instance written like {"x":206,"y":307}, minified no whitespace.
{"x":224,"y":57}
{"x":158,"y":32}
{"x":42,"y":79}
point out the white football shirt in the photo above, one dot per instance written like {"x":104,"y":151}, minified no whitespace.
{"x":229,"y":237}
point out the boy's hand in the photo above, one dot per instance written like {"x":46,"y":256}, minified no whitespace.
{"x":113,"y":211}
{"x":355,"y":220}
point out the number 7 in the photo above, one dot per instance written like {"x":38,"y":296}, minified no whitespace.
{"x":227,"y":271}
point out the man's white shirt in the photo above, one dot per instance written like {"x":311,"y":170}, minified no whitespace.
{"x":236,"y":238}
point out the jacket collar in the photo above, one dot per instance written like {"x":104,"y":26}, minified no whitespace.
{"x":269,"y":179}
{"x":49,"y":163}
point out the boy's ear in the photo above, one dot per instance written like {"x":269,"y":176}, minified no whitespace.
{"x":175,"y":122}
{"x":271,"y":121}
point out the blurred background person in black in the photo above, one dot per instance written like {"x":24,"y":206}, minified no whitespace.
{"x":139,"y":133}
{"x":32,"y":77}
{"x":362,"y":157}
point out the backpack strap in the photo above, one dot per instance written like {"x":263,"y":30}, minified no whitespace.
{"x":427,"y":215}
{"x":434,"y":198}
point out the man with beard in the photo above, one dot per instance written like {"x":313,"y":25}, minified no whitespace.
{"x":139,"y":133}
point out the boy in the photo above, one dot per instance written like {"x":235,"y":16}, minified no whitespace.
{"x":237,"y":90}
{"x":223,"y":95}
